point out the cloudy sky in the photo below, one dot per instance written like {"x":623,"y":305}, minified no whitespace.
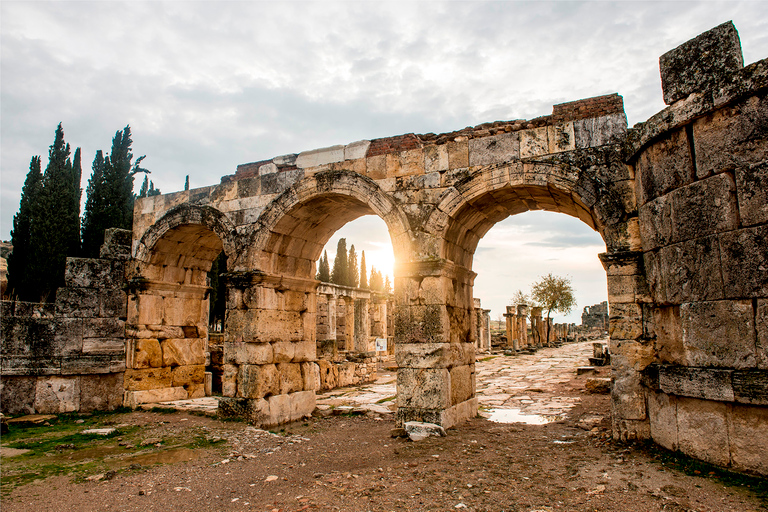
{"x":206,"y":86}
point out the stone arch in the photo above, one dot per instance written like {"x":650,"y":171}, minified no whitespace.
{"x":293,"y":229}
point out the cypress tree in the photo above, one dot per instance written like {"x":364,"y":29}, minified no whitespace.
{"x":376,"y":283}
{"x":353,"y":275}
{"x":363,"y":272}
{"x":118,"y":179}
{"x":54,"y":229}
{"x":144,"y":187}
{"x":340,"y":266}
{"x":324,"y":271}
{"x":18,"y":261}
{"x":152,"y":190}
{"x":186,"y":183}
{"x":95,"y":200}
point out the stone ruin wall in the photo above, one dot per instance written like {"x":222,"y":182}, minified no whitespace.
{"x":701,"y":168}
{"x":69,"y":355}
{"x":595,"y":317}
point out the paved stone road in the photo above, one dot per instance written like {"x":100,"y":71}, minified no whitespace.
{"x":519,"y":388}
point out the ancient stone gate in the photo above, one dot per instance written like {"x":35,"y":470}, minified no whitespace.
{"x":680,"y":202}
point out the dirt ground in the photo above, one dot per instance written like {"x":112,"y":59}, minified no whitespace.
{"x":163,"y":461}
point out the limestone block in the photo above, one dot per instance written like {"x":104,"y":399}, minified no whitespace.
{"x":104,"y":346}
{"x":462,"y":387}
{"x":662,"y":412}
{"x":54,"y":395}
{"x":622,"y":289}
{"x":290,"y":378}
{"x":103,"y":328}
{"x":310,"y":373}
{"x":322,"y":156}
{"x":247,"y":353}
{"x":146,"y":354}
{"x":283,"y":351}
{"x":631,"y":354}
{"x":150,"y":378}
{"x":181,"y":311}
{"x":703,"y":63}
{"x":668,"y":332}
{"x":625,"y":321}
{"x":423,"y":388}
{"x":77,"y":302}
{"x":376,"y":167}
{"x":328,"y":375}
{"x":67,"y":336}
{"x":560,"y":137}
{"x":93,"y":273}
{"x":747,"y":431}
{"x":663,"y":166}
{"x":702,"y":430}
{"x":434,"y":355}
{"x":257,"y":381}
{"x":494,"y":149}
{"x":750,"y":386}
{"x":598,"y":131}
{"x":458,"y":154}
{"x":181,"y":352}
{"x":752,"y":193}
{"x":745,"y":262}
{"x":534,"y":142}
{"x":196,"y":390}
{"x":229,"y":380}
{"x":302,"y":404}
{"x":761,"y":319}
{"x":279,"y":409}
{"x":346,"y":375}
{"x":150,"y":308}
{"x":405,"y":163}
{"x":704,"y":207}
{"x":422,"y":324}
{"x":707,"y":383}
{"x":690,"y":270}
{"x":435,"y":158}
{"x":304,"y":351}
{"x":627,"y":396}
{"x":133,"y":399}
{"x":458,"y":413}
{"x":17,"y":394}
{"x":101,"y":392}
{"x":356,"y":150}
{"x":188,"y":376}
{"x":113,"y":303}
{"x":719,"y":334}
{"x":79,"y":364}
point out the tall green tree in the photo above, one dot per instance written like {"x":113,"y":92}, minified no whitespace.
{"x":363,"y":272}
{"x":353,"y":275}
{"x":324,"y":270}
{"x":376,"y":283}
{"x":340,"y":264}
{"x":19,"y":276}
{"x":554,"y":293}
{"x":55,"y":230}
{"x":92,"y":229}
{"x":217,"y":298}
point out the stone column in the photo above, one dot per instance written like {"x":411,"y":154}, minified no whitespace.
{"x":522,"y":326}
{"x":362,"y":327}
{"x":434,"y":349}
{"x":509,"y":316}
{"x":538,"y":330}
{"x":349,"y":324}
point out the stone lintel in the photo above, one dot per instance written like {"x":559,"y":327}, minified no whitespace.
{"x":622,"y":263}
{"x":246,"y":279}
{"x":722,"y":385}
{"x":436,"y":268}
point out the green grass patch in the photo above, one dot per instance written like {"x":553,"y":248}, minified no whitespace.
{"x":385,"y":400}
{"x":488,"y":358}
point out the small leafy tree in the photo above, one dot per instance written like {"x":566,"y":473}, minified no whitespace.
{"x":520,"y":297}
{"x":554,"y":293}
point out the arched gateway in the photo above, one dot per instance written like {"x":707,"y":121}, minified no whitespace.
{"x":676,"y":201}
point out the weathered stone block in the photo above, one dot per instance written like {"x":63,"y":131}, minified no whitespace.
{"x":628,"y":396}
{"x":310,"y":374}
{"x":188,"y":376}
{"x":257,"y":381}
{"x":703,"y":63}
{"x":560,"y":137}
{"x":668,"y":332}
{"x":104,"y":346}
{"x":93,"y":363}
{"x":93,"y":273}
{"x":283,"y":351}
{"x":662,"y":411}
{"x":304,"y":351}
{"x":690,"y":271}
{"x":534,"y":142}
{"x":732,"y":137}
{"x":150,"y":378}
{"x":655,"y":222}
{"x":750,"y":386}
{"x":702,"y":430}
{"x":103,"y":328}
{"x":745,"y":262}
{"x":229,"y":380}
{"x":279,"y":409}
{"x":146,"y":354}
{"x":625,"y":321}
{"x":150,"y":309}
{"x":435,"y":158}
{"x":248,"y":353}
{"x":752,"y":192}
{"x":345,"y":374}
{"x":54,"y":395}
{"x":101,"y":392}
{"x":302,"y":404}
{"x":182,"y":352}
{"x":68,"y":336}
{"x":598,"y":131}
{"x":423,"y":388}
{"x":77,"y":302}
{"x":719,"y":334}
{"x":462,"y":383}
{"x":181,"y":311}
{"x":290,"y":378}
{"x":433,"y":355}
{"x":328,"y":374}
{"x":133,"y":399}
{"x":458,"y":154}
{"x":494,"y":149}
{"x":747,"y":431}
{"x":113,"y":304}
{"x":17,"y":394}
{"x":704,"y":207}
{"x":663,"y":166}
{"x":707,"y":383}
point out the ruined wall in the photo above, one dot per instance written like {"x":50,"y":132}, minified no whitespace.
{"x":595,"y":317}
{"x":701,"y":172}
{"x":69,"y":356}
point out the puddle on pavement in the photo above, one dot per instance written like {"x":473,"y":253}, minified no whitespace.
{"x":515,"y":416}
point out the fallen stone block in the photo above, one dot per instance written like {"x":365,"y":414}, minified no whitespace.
{"x":581,"y":370}
{"x":417,"y":430}
{"x":598,"y":385}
